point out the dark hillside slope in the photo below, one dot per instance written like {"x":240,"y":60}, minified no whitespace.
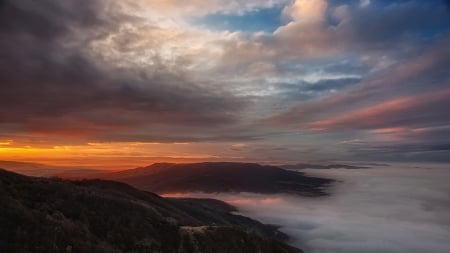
{"x":220,"y":177}
{"x":52,"y":215}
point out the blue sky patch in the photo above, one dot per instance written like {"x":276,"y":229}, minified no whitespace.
{"x":265,"y":20}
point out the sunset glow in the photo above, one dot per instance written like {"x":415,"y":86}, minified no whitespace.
{"x":120,"y":84}
{"x":120,"y":155}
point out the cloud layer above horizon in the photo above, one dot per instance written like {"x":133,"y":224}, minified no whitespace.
{"x":259,"y":80}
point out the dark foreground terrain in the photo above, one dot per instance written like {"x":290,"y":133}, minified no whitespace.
{"x":220,"y":177}
{"x":53,"y":215}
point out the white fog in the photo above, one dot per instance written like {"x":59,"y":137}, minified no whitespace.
{"x":395,"y":208}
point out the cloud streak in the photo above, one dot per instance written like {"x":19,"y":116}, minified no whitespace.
{"x":416,"y":111}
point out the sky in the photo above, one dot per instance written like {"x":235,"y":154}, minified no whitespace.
{"x":126,"y":83}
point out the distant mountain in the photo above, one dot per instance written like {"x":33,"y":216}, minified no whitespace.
{"x":44,"y":170}
{"x":54,"y":215}
{"x":219,"y":177}
{"x":301,"y":166}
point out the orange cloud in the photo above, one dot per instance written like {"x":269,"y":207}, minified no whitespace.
{"x":307,"y":10}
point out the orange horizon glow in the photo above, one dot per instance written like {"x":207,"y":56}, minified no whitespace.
{"x":110,"y":156}
{"x":119,"y":155}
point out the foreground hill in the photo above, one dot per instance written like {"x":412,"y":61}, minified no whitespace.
{"x":219,"y":177}
{"x":52,"y":215}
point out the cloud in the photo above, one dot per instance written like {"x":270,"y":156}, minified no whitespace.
{"x":407,"y":97}
{"x":53,"y":83}
{"x":416,"y":111}
{"x":400,"y":85}
{"x":306,"y":11}
{"x":388,"y":28}
{"x":375,"y":38}
{"x":400,"y":208}
{"x":201,"y":8}
{"x":364,"y":3}
{"x":145,"y":70}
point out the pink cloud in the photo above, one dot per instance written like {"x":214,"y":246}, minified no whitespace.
{"x":397,"y":112}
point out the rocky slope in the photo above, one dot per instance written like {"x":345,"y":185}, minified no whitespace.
{"x":53,"y":215}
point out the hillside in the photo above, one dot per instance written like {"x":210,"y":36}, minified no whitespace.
{"x":220,"y":177}
{"x":53,"y":215}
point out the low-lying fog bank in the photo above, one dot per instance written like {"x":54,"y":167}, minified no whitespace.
{"x":383,"y":209}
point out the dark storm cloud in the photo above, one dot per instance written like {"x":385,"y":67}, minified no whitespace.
{"x":50,"y":83}
{"x":46,"y":19}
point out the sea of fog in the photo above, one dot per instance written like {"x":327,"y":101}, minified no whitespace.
{"x":383,"y":209}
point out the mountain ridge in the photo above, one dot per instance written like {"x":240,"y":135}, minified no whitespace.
{"x":55,"y":215}
{"x":211,"y":177}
